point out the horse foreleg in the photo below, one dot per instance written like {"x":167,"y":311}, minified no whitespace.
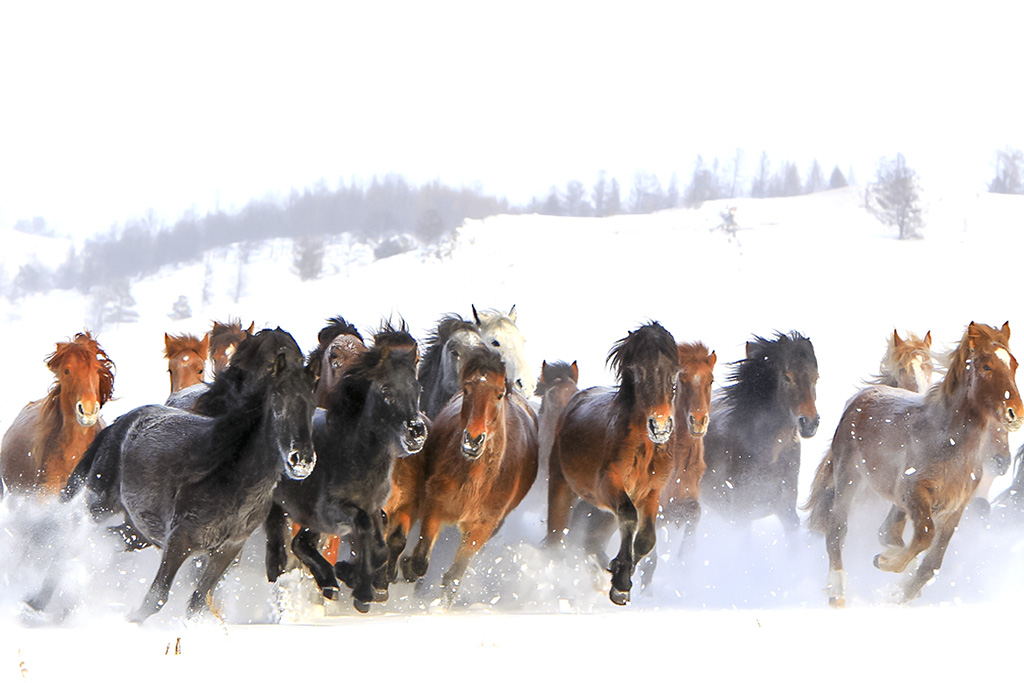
{"x":622,"y":565}
{"x":415,"y":567}
{"x":176,"y":551}
{"x":217,"y":562}
{"x":560,"y":499}
{"x":932,"y":561}
{"x":275,"y":528}
{"x":370,"y":554}
{"x":305,"y":545}
{"x":919,"y":508}
{"x":599,"y":525}
{"x":398,"y":537}
{"x":474,"y":535}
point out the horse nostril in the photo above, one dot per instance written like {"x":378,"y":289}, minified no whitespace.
{"x":81,"y":409}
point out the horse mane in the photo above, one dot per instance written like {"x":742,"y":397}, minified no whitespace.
{"x":222,"y":334}
{"x":646,"y":342}
{"x":754,"y":379}
{"x":554,"y":371}
{"x":958,"y":360}
{"x":696,"y":352}
{"x":430,"y":364}
{"x":482,"y":360}
{"x":84,"y":345}
{"x":251,"y":359}
{"x":182,"y":343}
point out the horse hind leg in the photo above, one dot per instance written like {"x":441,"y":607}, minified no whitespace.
{"x":896,"y":559}
{"x":217,"y":562}
{"x":890,"y":534}
{"x":175,"y":553}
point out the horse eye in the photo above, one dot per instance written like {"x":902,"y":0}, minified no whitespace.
{"x":986,"y":367}
{"x":495,"y":343}
{"x":67,"y":371}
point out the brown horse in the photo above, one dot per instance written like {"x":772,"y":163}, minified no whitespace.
{"x":224,"y":338}
{"x":49,"y":436}
{"x":186,"y":359}
{"x":908,"y":363}
{"x":681,"y":496}
{"x":339,"y":346}
{"x":556,"y":385}
{"x":479,"y":462}
{"x":922,"y":452}
{"x":612,"y":450}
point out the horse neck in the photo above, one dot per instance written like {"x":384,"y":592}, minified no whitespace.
{"x":355,"y":424}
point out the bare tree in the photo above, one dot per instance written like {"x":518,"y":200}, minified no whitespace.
{"x":1009,"y":172}
{"x":895,"y":196}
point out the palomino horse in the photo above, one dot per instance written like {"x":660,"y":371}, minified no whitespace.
{"x":186,"y":359}
{"x":224,"y":340}
{"x":49,"y":436}
{"x":907,"y":363}
{"x":479,"y":461}
{"x":340,"y":344}
{"x":441,"y":366}
{"x":922,"y":452}
{"x":752,"y":449}
{"x":681,"y":495}
{"x":499,"y":331}
{"x":192,"y":484}
{"x":612,"y":450}
{"x":372,"y":416}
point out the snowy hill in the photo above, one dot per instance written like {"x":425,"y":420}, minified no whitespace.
{"x":818,"y":264}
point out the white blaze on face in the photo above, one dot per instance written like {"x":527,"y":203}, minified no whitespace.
{"x":1003,"y":355}
{"x":184,"y":359}
{"x":920,"y":376}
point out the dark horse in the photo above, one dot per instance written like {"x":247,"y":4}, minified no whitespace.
{"x":49,"y":436}
{"x":224,"y":340}
{"x":190,"y":483}
{"x":478,"y":464}
{"x":558,"y":382}
{"x":924,"y":453}
{"x":752,"y":449}
{"x":611,"y":449}
{"x":372,"y":417}
{"x":441,"y":366}
{"x":339,"y":345}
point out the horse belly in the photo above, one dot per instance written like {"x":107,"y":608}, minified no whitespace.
{"x":19,"y":466}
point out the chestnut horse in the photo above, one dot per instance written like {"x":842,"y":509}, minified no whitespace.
{"x":224,"y":339}
{"x":611,"y":449}
{"x":681,"y":496}
{"x":340,"y":345}
{"x":922,"y":452}
{"x":49,"y":436}
{"x":478,"y":463}
{"x":752,"y":448}
{"x":186,"y":359}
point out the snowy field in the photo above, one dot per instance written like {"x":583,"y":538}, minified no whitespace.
{"x":743,"y":601}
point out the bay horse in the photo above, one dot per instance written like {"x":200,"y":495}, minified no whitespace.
{"x":189,"y":483}
{"x":372,"y":417}
{"x":49,"y":436}
{"x":339,"y":345}
{"x":612,"y":450}
{"x":681,"y":496}
{"x":224,"y":340}
{"x":186,"y":359}
{"x":558,"y":382}
{"x":479,"y":462}
{"x":922,"y":452}
{"x":752,"y":447}
{"x":499,"y":331}
{"x":441,"y":366}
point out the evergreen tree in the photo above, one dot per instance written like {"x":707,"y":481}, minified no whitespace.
{"x":180,"y":310}
{"x":815,"y":179}
{"x":836,"y":180}
{"x":895,"y":198}
{"x":613,"y":204}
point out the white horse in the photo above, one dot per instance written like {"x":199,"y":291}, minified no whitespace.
{"x":500,"y":332}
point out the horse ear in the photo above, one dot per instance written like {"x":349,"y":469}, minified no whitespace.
{"x":747,"y":350}
{"x":575,"y":372}
{"x":252,"y":326}
{"x":1006,"y":330}
{"x":512,"y":313}
{"x":712,"y":359}
{"x":476,"y":316}
{"x":896,"y":341}
{"x":167,"y":340}
{"x":928,"y":338}
{"x":204,"y":346}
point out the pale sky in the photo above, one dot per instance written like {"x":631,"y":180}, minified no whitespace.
{"x":109,"y":110}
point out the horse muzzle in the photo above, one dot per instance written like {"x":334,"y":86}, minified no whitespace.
{"x":1013,"y":419}
{"x":698,"y":425}
{"x":473,"y":447}
{"x":87,"y":419}
{"x":659,"y":431}
{"x":414,"y":437}
{"x":808,"y":426}
{"x":299,"y":465}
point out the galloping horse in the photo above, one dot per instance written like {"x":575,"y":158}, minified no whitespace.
{"x":372,"y":417}
{"x":480,"y":460}
{"x":441,"y":366}
{"x":49,"y":436}
{"x":191,"y":484}
{"x":752,"y":449}
{"x":557,"y":384}
{"x":907,"y":363}
{"x":922,"y":452}
{"x":186,"y":359}
{"x":224,"y":340}
{"x":612,"y":450}
{"x":340,"y":344}
{"x":499,"y":331}
{"x":681,"y":495}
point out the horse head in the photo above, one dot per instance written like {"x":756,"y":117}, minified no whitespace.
{"x":186,"y":359}
{"x":224,"y":340}
{"x":787,"y":369}
{"x":289,"y":405}
{"x":499,"y":331}
{"x":85,"y":378}
{"x":558,"y":383}
{"x":647,"y":365}
{"x":990,"y":372}
{"x":908,"y":362}
{"x":484,"y":391}
{"x":693,"y":387}
{"x":394,"y":391}
{"x":462,"y":339}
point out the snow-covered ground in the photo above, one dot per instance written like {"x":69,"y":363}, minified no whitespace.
{"x":744,"y":601}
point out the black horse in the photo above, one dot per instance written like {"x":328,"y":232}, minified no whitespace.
{"x":372,"y":417}
{"x":752,"y":449}
{"x":441,"y":367}
{"x":190,"y":483}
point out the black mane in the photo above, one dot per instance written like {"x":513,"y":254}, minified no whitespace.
{"x":555,"y":371}
{"x":644,"y":346}
{"x":252,"y":363}
{"x":755,"y":379}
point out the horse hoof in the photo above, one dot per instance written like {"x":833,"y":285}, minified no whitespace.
{"x":837,"y":601}
{"x":330,"y":592}
{"x":877,"y":561}
{"x":361,"y":607}
{"x":618,"y":597}
{"x":380,"y":595}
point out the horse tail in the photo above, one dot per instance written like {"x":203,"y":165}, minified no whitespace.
{"x":823,"y":494}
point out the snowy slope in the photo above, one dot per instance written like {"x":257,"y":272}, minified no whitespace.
{"x":818,"y":264}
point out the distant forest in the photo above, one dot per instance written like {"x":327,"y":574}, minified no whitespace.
{"x":393,"y":215}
